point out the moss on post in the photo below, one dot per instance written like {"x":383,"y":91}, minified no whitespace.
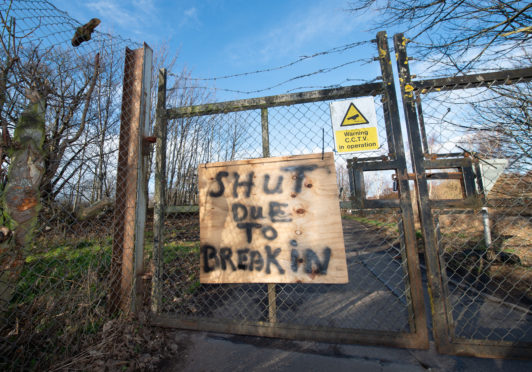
{"x":21,"y":197}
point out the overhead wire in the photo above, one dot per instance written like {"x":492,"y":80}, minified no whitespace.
{"x":319,"y":71}
{"x":337,"y":49}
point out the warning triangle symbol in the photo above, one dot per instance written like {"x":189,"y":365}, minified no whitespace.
{"x":353,"y":117}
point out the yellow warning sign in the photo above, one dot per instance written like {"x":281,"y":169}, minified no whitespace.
{"x":361,"y":139}
{"x":353,"y":116}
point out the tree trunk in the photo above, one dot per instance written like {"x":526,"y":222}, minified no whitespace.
{"x":21,"y":199}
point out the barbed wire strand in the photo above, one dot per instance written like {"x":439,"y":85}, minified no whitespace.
{"x":320,"y":71}
{"x":338,"y":49}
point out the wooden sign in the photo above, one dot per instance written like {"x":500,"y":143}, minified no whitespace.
{"x":271,"y":220}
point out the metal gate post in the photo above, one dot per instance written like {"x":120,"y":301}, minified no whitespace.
{"x":436,"y":292}
{"x":159,"y":198}
{"x":272,"y":289}
{"x":391,"y":114}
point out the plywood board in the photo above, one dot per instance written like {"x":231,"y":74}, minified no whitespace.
{"x":271,"y":220}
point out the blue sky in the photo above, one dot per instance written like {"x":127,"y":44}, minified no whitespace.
{"x":217,"y":38}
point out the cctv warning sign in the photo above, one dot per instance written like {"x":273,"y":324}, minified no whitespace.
{"x":362,"y":139}
{"x":353,"y":116}
{"x":354,"y":124}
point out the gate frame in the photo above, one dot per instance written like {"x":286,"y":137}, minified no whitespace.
{"x":442,"y":318}
{"x":418,"y":335}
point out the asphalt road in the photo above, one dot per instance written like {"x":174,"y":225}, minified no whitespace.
{"x":374,"y":299}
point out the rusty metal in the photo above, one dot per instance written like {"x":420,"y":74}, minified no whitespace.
{"x":407,"y":223}
{"x":439,"y":310}
{"x":160,"y":192}
{"x":282,"y":310}
{"x":456,"y":298}
{"x":505,"y":77}
{"x":274,"y":101}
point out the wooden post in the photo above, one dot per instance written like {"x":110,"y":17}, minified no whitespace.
{"x":159,"y":196}
{"x":272,"y":295}
{"x":130,"y":206}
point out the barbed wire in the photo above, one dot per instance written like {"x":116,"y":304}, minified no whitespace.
{"x":319,"y":71}
{"x":331,"y":86}
{"x":337,"y":49}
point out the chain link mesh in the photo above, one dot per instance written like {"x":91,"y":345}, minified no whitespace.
{"x":55,"y":295}
{"x":376,"y":257}
{"x":66,"y":280}
{"x":486,"y":251}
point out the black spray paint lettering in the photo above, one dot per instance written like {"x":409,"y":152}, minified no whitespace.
{"x":275,"y":212}
{"x":253,"y":260}
{"x":247,"y":185}
{"x":209,"y":253}
{"x":256,"y":262}
{"x":221,"y":187}
{"x":267,"y":231}
{"x":242,"y":255}
{"x":313,"y":265}
{"x":300,"y":174}
{"x":271,"y":258}
{"x":246,"y":259}
{"x":225,"y":256}
{"x":278,"y":188}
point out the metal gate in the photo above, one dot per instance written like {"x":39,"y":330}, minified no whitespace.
{"x":480,"y":291}
{"x":384,"y":302}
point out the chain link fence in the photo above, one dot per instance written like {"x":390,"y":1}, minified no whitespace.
{"x":378,"y":295}
{"x":67,"y":255}
{"x":485,"y":249}
{"x":58,"y":173}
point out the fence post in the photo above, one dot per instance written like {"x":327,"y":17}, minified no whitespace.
{"x":159,"y":195}
{"x":272,"y":295}
{"x":434,"y":273}
{"x":127,"y":261}
{"x":417,"y":318}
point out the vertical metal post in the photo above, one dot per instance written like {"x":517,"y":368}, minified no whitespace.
{"x":159,"y":195}
{"x":130,"y":206}
{"x":272,"y":295}
{"x":484,"y":211}
{"x":426,"y":149}
{"x":469,"y":179}
{"x":439,"y":310}
{"x":486,"y":223}
{"x":407,"y":227}
{"x":142,"y":173}
{"x":359,"y":189}
{"x":265,"y":133}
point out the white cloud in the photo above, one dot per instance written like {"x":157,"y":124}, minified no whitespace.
{"x":131,"y":19}
{"x":114,"y":12}
{"x":190,"y":17}
{"x":145,"y":6}
{"x":297,"y":29}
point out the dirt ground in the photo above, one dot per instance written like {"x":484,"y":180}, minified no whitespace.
{"x":134,"y":345}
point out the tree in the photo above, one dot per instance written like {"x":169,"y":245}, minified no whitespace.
{"x":460,"y":34}
{"x":454,"y":37}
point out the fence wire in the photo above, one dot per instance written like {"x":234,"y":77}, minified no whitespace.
{"x":485,"y":251}
{"x":378,"y":279}
{"x":56,"y":256}
{"x":62,"y":266}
